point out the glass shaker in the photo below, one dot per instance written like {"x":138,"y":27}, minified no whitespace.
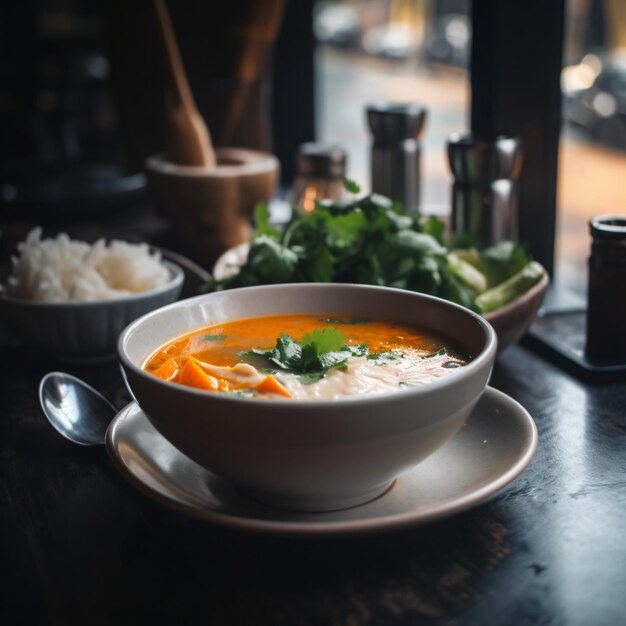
{"x":606,"y":309}
{"x":320,"y":169}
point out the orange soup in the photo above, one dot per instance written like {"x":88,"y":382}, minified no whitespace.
{"x":305,"y":357}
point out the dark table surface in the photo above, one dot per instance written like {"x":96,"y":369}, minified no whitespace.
{"x":80,"y":545}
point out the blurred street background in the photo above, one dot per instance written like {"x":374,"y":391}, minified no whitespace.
{"x":417,"y":51}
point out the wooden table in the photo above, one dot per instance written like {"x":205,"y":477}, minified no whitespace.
{"x":80,"y":546}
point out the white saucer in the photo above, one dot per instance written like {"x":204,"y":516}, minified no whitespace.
{"x":491,"y":449}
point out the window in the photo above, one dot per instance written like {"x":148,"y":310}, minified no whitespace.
{"x":419,"y":51}
{"x":401,"y":52}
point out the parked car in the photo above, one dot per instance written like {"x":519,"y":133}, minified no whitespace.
{"x":594,"y":99}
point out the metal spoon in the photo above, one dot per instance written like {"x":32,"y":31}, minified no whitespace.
{"x":75,"y":409}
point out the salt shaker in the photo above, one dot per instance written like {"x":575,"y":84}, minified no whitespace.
{"x":321,"y":169}
{"x":395,"y":166}
{"x":606,"y":308}
{"x":484,"y":192}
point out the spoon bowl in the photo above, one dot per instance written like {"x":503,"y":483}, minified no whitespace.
{"x":76,"y":410}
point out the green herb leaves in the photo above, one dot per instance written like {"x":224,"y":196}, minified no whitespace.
{"x":327,"y":340}
{"x":371,"y":240}
{"x":351,"y":186}
{"x":262,"y":221}
{"x":311,"y":358}
{"x":440,"y":352}
{"x":272,"y":261}
{"x":384,"y":358}
{"x":351,"y":321}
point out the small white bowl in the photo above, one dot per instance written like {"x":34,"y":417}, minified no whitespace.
{"x":83,"y":331}
{"x":310,"y":455}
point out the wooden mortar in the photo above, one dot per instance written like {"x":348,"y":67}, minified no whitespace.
{"x":211,"y":207}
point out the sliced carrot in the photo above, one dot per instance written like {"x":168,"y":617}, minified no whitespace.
{"x":167,"y":370}
{"x":193,"y":375}
{"x":270,"y":385}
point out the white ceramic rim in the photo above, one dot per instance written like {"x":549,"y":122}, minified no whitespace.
{"x":488,"y":352}
{"x":265,"y":162}
{"x":362,"y":526}
{"x":177,"y":276}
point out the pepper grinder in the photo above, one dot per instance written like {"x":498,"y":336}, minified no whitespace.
{"x":484,"y":193}
{"x":606,"y":310}
{"x":395,"y":167}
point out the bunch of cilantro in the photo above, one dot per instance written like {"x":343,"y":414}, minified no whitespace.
{"x":373,"y":241}
{"x":311,"y":358}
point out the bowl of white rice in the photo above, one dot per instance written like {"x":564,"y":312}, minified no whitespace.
{"x":72,"y":299}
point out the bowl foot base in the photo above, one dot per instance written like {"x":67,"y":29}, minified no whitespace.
{"x":316,"y":504}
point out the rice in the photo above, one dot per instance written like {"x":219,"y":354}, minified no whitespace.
{"x":65,"y":270}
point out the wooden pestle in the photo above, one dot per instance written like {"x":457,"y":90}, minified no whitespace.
{"x":255,"y":38}
{"x":188,"y":138}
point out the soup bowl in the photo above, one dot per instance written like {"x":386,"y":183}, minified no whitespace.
{"x":310,"y":455}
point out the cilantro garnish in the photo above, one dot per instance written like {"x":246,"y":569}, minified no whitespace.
{"x":383,"y":358}
{"x":356,"y":349}
{"x":440,"y":352}
{"x":313,"y":356}
{"x":351,"y":321}
{"x":214,"y":337}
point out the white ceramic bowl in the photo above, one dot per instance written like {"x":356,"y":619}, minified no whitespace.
{"x":83,"y":331}
{"x":310,"y":455}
